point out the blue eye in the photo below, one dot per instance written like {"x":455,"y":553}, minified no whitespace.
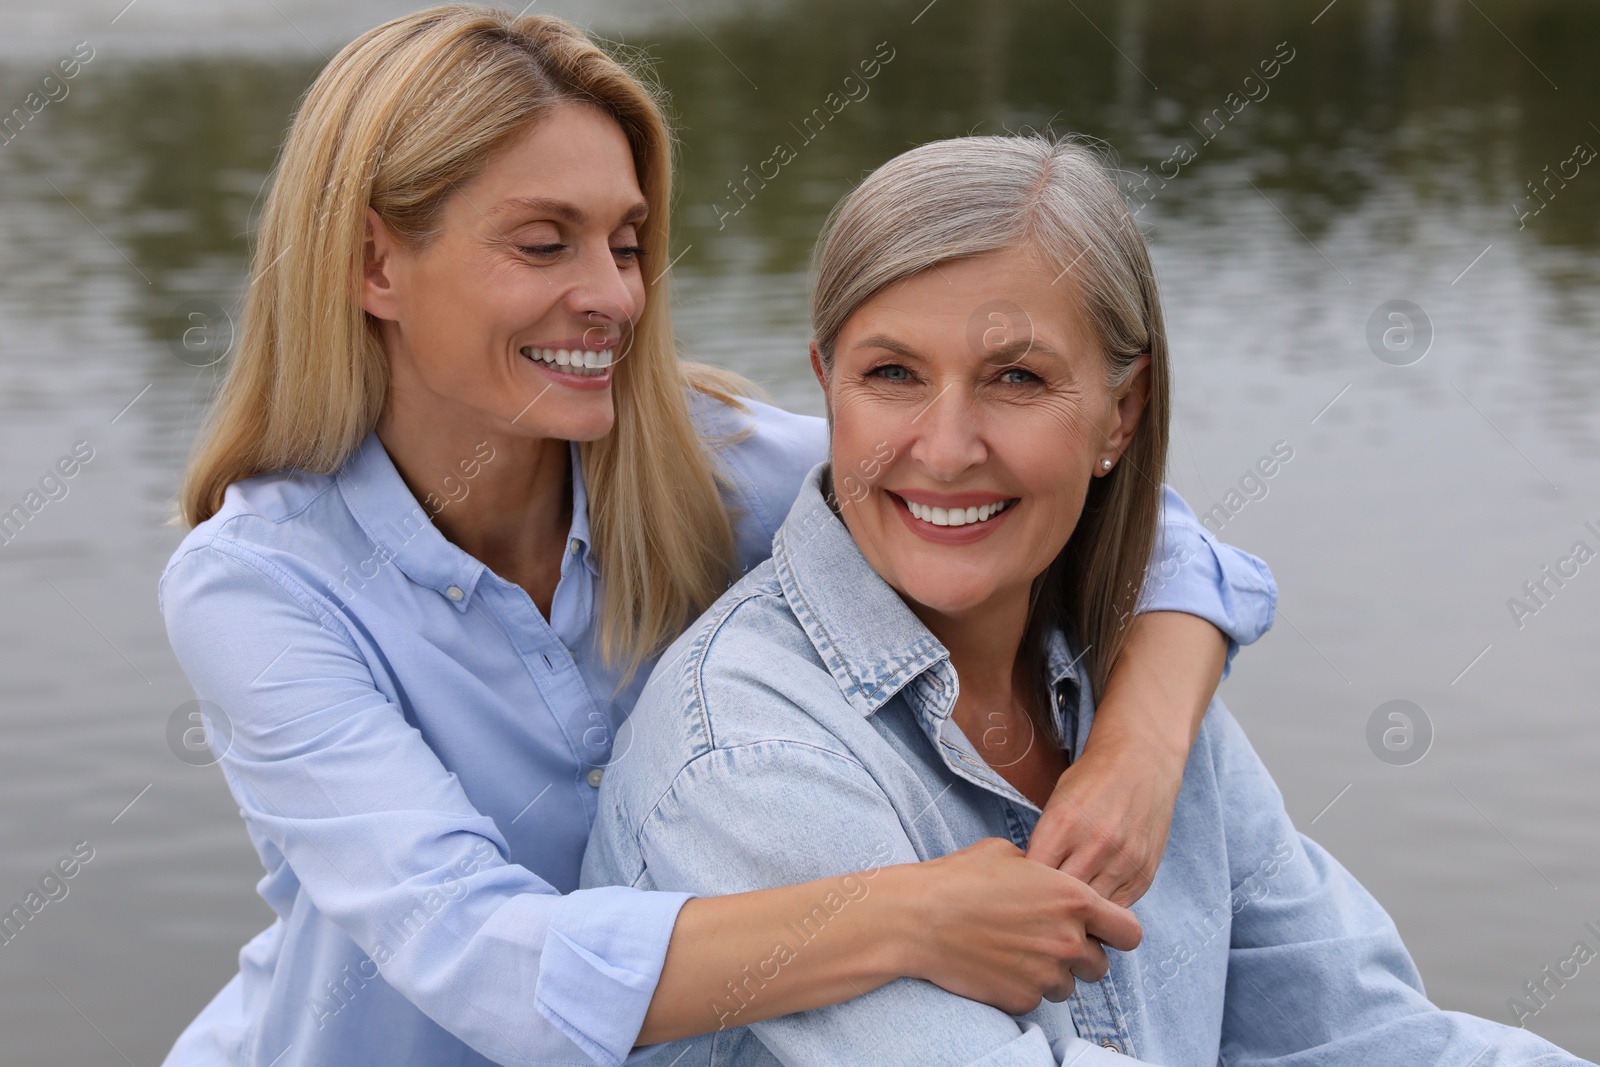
{"x":1028,"y":377}
{"x":632,"y":253}
{"x":891,"y":372}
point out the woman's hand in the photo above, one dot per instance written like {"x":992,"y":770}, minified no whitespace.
{"x":984,"y":923}
{"x":1008,"y":932}
{"x":1107,"y":821}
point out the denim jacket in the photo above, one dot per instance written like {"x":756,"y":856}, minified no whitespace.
{"x":803,"y":729}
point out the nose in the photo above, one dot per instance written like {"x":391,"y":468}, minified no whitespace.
{"x":606,"y":297}
{"x":947,"y":436}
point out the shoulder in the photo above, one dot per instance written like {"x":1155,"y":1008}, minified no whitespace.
{"x":744,"y":675}
{"x":758,"y":428}
{"x":764,"y":454}
{"x":270,"y":534}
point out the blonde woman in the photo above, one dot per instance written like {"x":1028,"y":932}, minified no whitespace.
{"x":858,"y":685}
{"x":455,"y":496}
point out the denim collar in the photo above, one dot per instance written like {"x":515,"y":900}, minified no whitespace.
{"x":403,"y":533}
{"x":871,"y":642}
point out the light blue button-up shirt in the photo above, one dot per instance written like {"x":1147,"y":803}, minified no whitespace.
{"x":803,"y":730}
{"x":416,"y":752}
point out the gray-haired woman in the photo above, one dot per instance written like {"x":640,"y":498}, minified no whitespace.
{"x":894,"y":686}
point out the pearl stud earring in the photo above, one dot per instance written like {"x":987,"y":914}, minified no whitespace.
{"x":1105,"y":464}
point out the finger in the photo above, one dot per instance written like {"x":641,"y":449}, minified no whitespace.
{"x":1135,"y":884}
{"x":1051,"y":842}
{"x":1107,"y":882}
{"x":1091,"y":965}
{"x":999,"y":846}
{"x":1080,"y":850}
{"x":1116,"y":926}
{"x":1056,"y":994}
{"x":1091,"y":862}
{"x":1127,"y":894}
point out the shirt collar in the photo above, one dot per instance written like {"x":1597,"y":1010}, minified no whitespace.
{"x":578,"y":542}
{"x":400,"y":529}
{"x":403,"y":532}
{"x":871,"y":642}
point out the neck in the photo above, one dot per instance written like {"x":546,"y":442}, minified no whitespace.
{"x":984,"y":645}
{"x":995,"y":706}
{"x":502,"y":498}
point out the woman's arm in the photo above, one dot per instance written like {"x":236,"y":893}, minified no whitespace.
{"x":1107,"y":821}
{"x":776,"y":812}
{"x":381,"y":839}
{"x":982,"y":921}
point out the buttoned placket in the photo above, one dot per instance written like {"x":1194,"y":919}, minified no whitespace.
{"x":1096,"y":1008}
{"x":584,"y":723}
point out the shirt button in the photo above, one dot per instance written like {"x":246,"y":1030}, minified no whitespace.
{"x":576,"y":546}
{"x":1110,"y":1045}
{"x":454,"y":593}
{"x":595,"y":776}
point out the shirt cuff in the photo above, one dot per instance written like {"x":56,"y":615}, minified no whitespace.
{"x":602,"y":958}
{"x":1198,"y":575}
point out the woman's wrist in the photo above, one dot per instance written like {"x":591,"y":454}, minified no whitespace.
{"x":899,"y":921}
{"x":1138,"y":728}
{"x":1156,"y":697}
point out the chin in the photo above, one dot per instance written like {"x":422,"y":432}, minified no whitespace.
{"x":587,"y":420}
{"x":951,"y":595}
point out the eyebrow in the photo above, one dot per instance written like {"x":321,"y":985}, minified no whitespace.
{"x":544,"y":205}
{"x":884,"y":341}
{"x":1015,"y":350}
{"x":1006,"y":353}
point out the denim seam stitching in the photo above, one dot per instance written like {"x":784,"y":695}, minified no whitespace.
{"x":700,"y":650}
{"x":765,"y":742}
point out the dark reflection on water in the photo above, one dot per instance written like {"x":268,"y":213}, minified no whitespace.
{"x":1394,"y":143}
{"x":1476,"y":118}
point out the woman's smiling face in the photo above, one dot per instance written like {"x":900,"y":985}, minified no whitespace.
{"x":970,"y":409}
{"x":536,"y":263}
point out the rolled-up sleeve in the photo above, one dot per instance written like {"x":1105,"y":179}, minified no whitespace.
{"x":1195,"y":573}
{"x":382,"y":839}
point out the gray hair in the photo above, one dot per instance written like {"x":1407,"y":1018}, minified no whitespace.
{"x":969,"y":196}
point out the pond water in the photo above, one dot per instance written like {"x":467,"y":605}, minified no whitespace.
{"x":1427,"y":151}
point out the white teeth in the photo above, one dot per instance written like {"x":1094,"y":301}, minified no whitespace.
{"x":583,"y":363}
{"x":956,"y":516}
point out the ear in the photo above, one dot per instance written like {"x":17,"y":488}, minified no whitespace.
{"x":818,"y":370}
{"x":1128,"y":405}
{"x":381,"y":295}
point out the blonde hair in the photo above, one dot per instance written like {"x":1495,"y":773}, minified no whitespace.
{"x":399,"y":119}
{"x":975,"y":195}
